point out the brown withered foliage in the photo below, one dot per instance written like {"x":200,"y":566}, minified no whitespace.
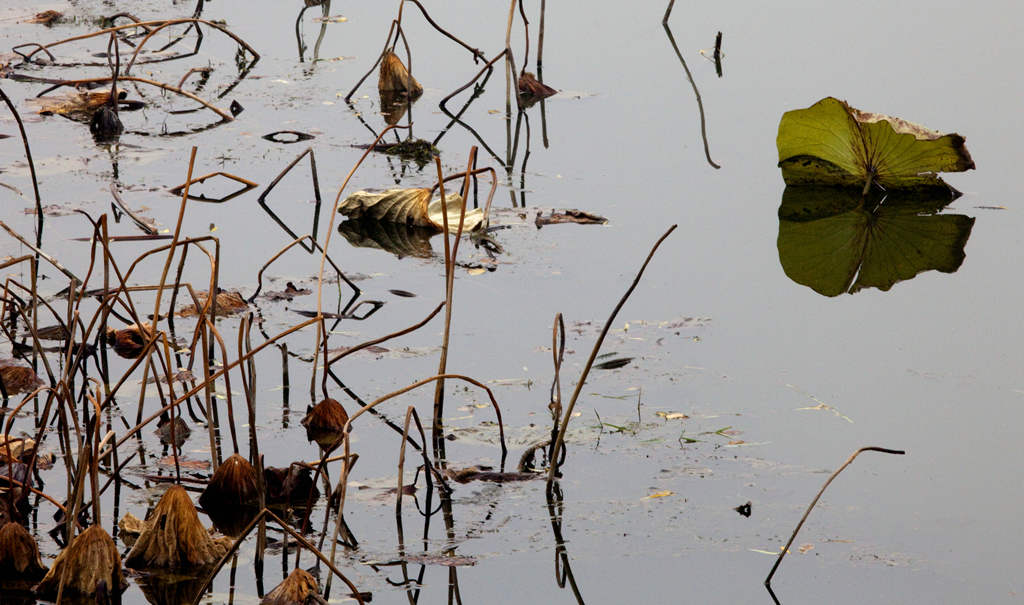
{"x":174,"y":538}
{"x":530,"y":86}
{"x":325,"y":421}
{"x":18,"y":378}
{"x":90,"y":563}
{"x":129,"y":342}
{"x":19,"y":555}
{"x":233,"y":484}
{"x":299,"y":588}
{"x":394,"y":77}
{"x":228,"y":303}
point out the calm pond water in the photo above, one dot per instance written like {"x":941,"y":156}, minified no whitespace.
{"x":778,"y":382}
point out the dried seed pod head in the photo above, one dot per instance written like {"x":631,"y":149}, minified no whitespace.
{"x":394,"y":77}
{"x":174,"y":538}
{"x":325,"y":422}
{"x":299,"y":588}
{"x":232,"y":485}
{"x":90,"y":562}
{"x":19,"y":556}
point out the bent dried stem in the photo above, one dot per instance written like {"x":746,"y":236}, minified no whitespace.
{"x":559,"y":441}
{"x":785,"y":549}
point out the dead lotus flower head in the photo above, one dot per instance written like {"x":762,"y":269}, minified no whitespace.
{"x":394,"y":77}
{"x":299,"y":588}
{"x":232,"y":485}
{"x":129,"y":342}
{"x":174,"y":538}
{"x":325,"y":422}
{"x":19,"y":556}
{"x":89,"y":564}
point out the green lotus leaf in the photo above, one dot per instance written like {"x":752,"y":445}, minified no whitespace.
{"x":831,"y":143}
{"x":833,"y":240}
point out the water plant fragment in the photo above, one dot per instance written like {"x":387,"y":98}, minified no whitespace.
{"x":90,"y":565}
{"x":832,"y":143}
{"x":174,"y":538}
{"x":410,"y":207}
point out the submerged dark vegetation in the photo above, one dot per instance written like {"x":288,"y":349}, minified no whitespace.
{"x":76,"y":348}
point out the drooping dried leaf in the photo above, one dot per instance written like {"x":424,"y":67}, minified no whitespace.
{"x":325,"y":422}
{"x":18,"y":378}
{"x":19,"y":555}
{"x":91,"y":561}
{"x":293,"y":485}
{"x":179,"y":433}
{"x":228,"y":302}
{"x":410,"y":207}
{"x":290,"y":291}
{"x":394,"y":77}
{"x":45,"y":18}
{"x":569,"y":216}
{"x":233,"y":484}
{"x":131,"y":525}
{"x":18,"y":449}
{"x":79,"y":104}
{"x":484,"y":473}
{"x":129,"y":342}
{"x":299,"y":588}
{"x":529,"y":85}
{"x":174,"y":538}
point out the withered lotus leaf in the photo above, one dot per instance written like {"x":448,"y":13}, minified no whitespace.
{"x":18,"y":378}
{"x":19,"y":554}
{"x":529,"y":85}
{"x":325,"y":422}
{"x":129,"y":342}
{"x":174,"y":538}
{"x":89,"y":562}
{"x":299,"y":588}
{"x":228,"y":302}
{"x":233,"y":484}
{"x":394,"y":77}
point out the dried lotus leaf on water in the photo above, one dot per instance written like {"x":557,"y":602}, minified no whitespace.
{"x":299,"y":588}
{"x":18,"y":378}
{"x":394,"y":77}
{"x":75,"y":103}
{"x":89,"y":564}
{"x":174,"y":538}
{"x":228,"y":302}
{"x":19,"y":555}
{"x":410,"y":207}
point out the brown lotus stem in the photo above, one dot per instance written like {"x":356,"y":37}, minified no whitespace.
{"x":174,"y":538}
{"x":785,"y":549}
